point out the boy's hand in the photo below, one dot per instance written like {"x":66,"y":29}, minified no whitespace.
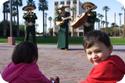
{"x":55,"y":80}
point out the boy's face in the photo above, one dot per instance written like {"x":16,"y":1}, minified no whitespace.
{"x":98,"y":53}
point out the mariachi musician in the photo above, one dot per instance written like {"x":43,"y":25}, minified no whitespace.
{"x":30,"y":18}
{"x":62,"y":20}
{"x":87,"y":19}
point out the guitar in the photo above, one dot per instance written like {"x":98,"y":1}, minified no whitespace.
{"x":80,"y":20}
{"x":62,"y":21}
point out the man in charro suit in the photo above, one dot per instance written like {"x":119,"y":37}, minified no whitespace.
{"x":30,"y":19}
{"x":62,"y":20}
{"x":91,"y":17}
{"x":87,"y":19}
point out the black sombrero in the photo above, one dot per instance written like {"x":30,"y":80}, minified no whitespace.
{"x":89,"y":4}
{"x":62,"y":7}
{"x":29,"y":7}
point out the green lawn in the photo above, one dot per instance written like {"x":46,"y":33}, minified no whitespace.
{"x":72,"y":40}
{"x":118,"y":41}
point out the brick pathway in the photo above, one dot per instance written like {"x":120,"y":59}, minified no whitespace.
{"x":70,"y":65}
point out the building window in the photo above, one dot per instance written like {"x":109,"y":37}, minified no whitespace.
{"x":80,"y":33}
{"x":56,"y":3}
{"x":74,"y":1}
{"x":68,"y":2}
{"x":62,"y":2}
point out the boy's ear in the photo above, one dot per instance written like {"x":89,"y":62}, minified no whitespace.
{"x":110,"y":49}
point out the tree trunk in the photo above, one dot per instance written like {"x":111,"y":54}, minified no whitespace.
{"x":43,"y":25}
{"x":4,"y":25}
{"x":124,"y":16}
{"x":4,"y":28}
{"x":18,"y":31}
{"x":124,"y":31}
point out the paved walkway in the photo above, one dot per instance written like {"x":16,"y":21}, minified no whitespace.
{"x":70,"y":65}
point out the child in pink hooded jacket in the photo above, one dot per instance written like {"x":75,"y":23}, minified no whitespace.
{"x":24,"y":68}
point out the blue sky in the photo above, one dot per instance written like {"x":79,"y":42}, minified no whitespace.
{"x":114,"y":5}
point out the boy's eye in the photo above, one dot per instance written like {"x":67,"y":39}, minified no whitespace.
{"x":89,"y":53}
{"x":97,"y":51}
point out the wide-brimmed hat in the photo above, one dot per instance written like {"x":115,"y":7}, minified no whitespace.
{"x":89,"y":4}
{"x":60,"y":7}
{"x":29,"y":7}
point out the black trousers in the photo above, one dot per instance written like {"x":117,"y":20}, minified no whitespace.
{"x":30,"y":30}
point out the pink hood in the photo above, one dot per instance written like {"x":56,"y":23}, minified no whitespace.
{"x":23,"y":73}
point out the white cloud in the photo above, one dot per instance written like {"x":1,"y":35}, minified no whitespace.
{"x":1,"y":3}
{"x":1,"y":8}
{"x":122,"y":2}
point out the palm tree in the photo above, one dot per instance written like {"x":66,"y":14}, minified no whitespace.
{"x":43,"y":5}
{"x":98,"y":21}
{"x":103,"y":23}
{"x":114,"y":25}
{"x":17,"y":3}
{"x":6,"y":10}
{"x":123,"y":8}
{"x":14,"y":14}
{"x":100,"y":16}
{"x":119,"y":18}
{"x":119,"y":21}
{"x":31,"y":2}
{"x":50,"y":20}
{"x":106,"y":9}
{"x":115,"y":17}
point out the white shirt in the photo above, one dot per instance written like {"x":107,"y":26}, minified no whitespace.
{"x":122,"y":81}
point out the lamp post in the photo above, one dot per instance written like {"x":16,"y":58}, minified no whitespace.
{"x":11,"y":39}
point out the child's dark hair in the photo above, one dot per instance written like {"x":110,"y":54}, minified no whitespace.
{"x":94,"y":36}
{"x":25,"y":52}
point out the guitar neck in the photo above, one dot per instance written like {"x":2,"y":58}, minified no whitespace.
{"x":66,"y":18}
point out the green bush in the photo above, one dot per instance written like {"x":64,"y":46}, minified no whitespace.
{"x":72,"y":40}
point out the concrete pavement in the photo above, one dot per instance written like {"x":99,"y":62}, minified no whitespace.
{"x":70,"y":65}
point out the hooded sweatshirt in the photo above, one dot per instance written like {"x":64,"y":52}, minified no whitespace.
{"x":23,"y":73}
{"x":108,"y":71}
